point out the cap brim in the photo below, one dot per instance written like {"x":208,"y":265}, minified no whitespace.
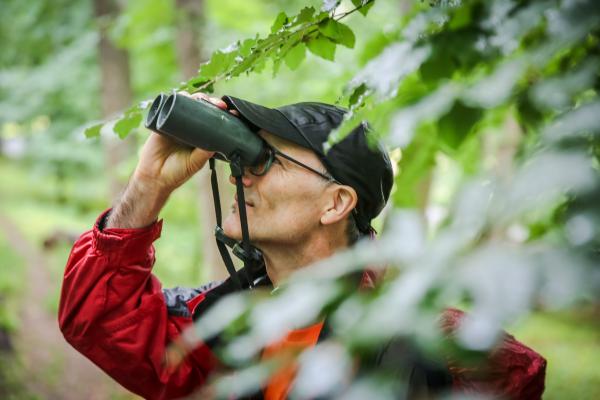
{"x":268,"y":119}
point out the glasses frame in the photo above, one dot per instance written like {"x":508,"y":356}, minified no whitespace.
{"x":273,"y":152}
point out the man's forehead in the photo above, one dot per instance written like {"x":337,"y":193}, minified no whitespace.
{"x":278,"y":142}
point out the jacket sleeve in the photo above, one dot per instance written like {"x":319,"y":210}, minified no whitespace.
{"x":113,"y":311}
{"x":511,"y":370}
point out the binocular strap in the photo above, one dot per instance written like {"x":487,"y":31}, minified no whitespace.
{"x":220,"y":245}
{"x":237,"y":173}
{"x":237,"y":170}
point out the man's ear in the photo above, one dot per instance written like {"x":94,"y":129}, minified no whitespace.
{"x":342,"y":202}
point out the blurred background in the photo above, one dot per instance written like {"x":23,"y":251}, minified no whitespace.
{"x":66,"y":64}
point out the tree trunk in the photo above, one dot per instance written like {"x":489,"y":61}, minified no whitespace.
{"x":190,"y":19}
{"x":405,"y":6}
{"x":189,"y":49}
{"x":116,"y":93}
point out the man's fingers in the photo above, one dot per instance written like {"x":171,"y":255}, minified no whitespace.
{"x":199,"y":156}
{"x":214,"y":100}
{"x":199,"y":96}
{"x":218,"y":102}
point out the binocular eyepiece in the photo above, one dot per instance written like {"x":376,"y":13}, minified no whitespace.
{"x":199,"y":123}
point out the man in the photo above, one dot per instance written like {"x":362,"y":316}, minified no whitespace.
{"x":302,"y":206}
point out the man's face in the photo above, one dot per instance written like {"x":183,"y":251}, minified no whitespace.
{"x":285,"y":204}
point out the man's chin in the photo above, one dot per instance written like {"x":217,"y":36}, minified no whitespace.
{"x":231,"y":227}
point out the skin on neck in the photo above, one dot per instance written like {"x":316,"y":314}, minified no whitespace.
{"x":282,"y":260}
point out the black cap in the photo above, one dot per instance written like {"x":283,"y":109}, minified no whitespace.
{"x":352,"y":161}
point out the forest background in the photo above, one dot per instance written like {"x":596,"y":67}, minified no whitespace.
{"x":68,"y":67}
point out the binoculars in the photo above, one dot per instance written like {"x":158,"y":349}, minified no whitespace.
{"x":199,"y":123}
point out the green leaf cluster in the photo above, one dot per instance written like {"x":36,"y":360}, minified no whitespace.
{"x":289,"y":37}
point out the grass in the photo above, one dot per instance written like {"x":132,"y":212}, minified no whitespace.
{"x":11,"y":379}
{"x":11,"y":285}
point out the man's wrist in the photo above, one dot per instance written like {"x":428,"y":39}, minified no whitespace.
{"x":139,"y":205}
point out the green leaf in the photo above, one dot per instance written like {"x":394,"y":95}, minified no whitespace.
{"x":455,"y":126}
{"x":93,"y":131}
{"x":322,"y":16}
{"x":415,"y":167}
{"x":267,"y":42}
{"x":246,"y":47}
{"x":357,"y":96}
{"x":305,"y":15}
{"x":276,"y":65}
{"x":365,"y":5}
{"x":445,"y":61}
{"x":322,"y":47}
{"x":205,"y":86}
{"x":127,"y":123}
{"x":280,"y":21}
{"x":219,"y":62}
{"x":337,"y":32}
{"x":295,"y":56}
{"x":245,"y":65}
{"x":195,"y":83}
{"x":470,"y":155}
{"x":461,"y":17}
{"x":259,"y":65}
{"x":376,"y":44}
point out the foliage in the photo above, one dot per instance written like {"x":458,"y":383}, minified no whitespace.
{"x":318,"y":31}
{"x":530,"y":64}
{"x":444,"y":87}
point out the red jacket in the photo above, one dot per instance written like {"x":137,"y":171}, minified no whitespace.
{"x":113,"y":310}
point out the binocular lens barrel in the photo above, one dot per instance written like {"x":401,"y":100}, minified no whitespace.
{"x":152,"y":116}
{"x":199,"y":123}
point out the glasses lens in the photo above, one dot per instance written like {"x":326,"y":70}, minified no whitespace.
{"x":263,"y":164}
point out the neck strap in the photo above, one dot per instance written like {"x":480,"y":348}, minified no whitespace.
{"x":251,"y":256}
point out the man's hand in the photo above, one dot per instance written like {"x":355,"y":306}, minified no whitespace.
{"x":164,"y":165}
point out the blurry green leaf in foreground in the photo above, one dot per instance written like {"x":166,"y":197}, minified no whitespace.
{"x":433,"y":101}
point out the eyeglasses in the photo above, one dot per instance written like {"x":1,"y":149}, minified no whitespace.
{"x":269,"y":158}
